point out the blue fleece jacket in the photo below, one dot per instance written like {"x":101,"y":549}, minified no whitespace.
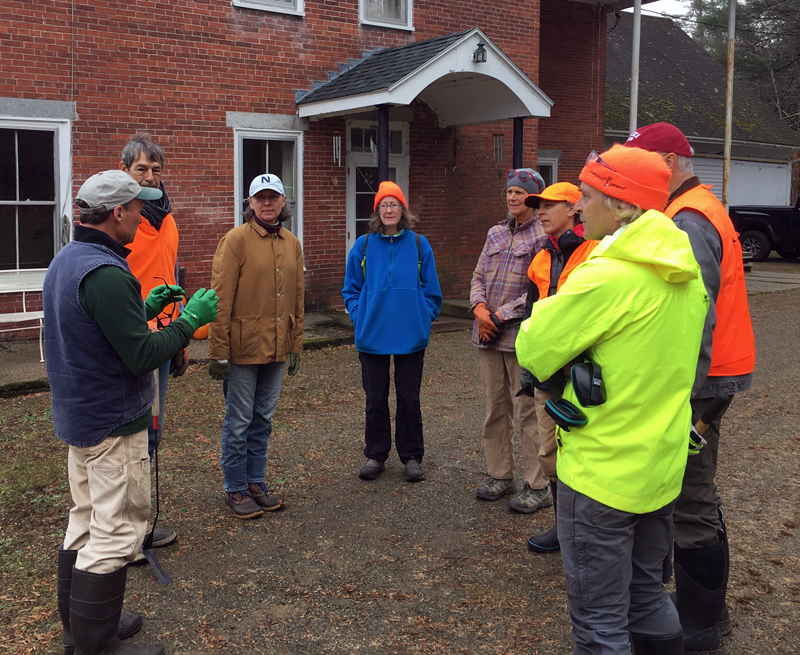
{"x":393,"y":308}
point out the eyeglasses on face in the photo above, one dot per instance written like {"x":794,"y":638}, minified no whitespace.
{"x":593,"y":156}
{"x":389,"y":205}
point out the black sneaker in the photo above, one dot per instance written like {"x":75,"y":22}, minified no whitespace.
{"x":414,"y":472}
{"x":371,"y":470}
{"x":162,"y":537}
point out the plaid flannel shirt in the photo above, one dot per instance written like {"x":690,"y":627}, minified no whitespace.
{"x":501,"y":277}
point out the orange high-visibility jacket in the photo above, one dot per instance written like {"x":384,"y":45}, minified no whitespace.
{"x":540,"y":271}
{"x":153,"y":257}
{"x":733,"y":351}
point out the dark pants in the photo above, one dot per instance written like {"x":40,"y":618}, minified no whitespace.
{"x":614,"y":564}
{"x":378,"y":429}
{"x":697,"y":521}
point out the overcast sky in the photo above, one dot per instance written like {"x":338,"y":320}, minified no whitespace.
{"x":671,"y":7}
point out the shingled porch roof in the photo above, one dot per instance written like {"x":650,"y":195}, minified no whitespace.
{"x":441,"y":73}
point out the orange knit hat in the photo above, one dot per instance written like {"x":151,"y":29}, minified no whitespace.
{"x":634,"y":175}
{"x":389,"y":189}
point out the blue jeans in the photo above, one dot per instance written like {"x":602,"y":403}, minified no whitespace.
{"x":153,"y":436}
{"x":252,"y":395}
{"x":615,"y":563}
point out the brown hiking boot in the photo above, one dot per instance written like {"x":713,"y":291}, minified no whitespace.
{"x":260,"y":494}
{"x":242,"y":505}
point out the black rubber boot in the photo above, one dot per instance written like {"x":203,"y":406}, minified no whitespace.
{"x":657,"y":646}
{"x":724,"y":616}
{"x":95,"y":607}
{"x":548,"y":541}
{"x":700,"y":587}
{"x":129,"y":623}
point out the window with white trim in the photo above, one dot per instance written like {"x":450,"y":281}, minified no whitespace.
{"x":387,"y":13}
{"x":294,"y":7}
{"x":34,"y":175}
{"x":277,"y":153}
{"x":548,"y":169}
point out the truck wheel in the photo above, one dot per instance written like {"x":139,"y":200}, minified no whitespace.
{"x":789,"y":253}
{"x":756,"y":243}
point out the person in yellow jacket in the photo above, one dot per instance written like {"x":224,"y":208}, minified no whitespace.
{"x":635,"y":309}
{"x":725,"y":368}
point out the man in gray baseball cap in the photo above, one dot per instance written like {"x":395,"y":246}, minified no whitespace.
{"x":100,"y":357}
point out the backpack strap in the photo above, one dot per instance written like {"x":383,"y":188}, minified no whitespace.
{"x":419,"y":261}
{"x":364,"y":258}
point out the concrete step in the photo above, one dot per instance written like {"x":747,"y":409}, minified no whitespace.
{"x":451,"y":324}
{"x":456,"y":308}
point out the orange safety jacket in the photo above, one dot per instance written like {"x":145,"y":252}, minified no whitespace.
{"x":540,"y":271}
{"x":154,"y":254}
{"x":733,"y":351}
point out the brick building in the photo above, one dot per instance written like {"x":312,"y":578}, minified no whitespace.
{"x":230,"y":89}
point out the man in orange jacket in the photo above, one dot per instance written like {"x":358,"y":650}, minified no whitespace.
{"x":701,"y":542}
{"x":153,"y":261}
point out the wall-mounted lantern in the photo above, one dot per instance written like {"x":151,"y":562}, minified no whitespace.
{"x":479,"y":56}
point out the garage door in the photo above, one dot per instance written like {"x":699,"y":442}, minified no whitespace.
{"x":752,"y":183}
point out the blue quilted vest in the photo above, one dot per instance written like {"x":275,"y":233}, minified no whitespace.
{"x":93,"y":392}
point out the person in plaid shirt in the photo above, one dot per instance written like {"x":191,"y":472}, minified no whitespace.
{"x":497,"y":299}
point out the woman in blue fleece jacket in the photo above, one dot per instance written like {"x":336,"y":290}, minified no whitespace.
{"x":392,"y":293}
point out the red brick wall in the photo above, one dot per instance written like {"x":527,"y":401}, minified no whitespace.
{"x":175,"y":69}
{"x":573,"y":73}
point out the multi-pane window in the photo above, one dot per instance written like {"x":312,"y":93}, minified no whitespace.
{"x":396,"y":13}
{"x":279,"y":6}
{"x":277,"y":155}
{"x":28,"y":198}
{"x":365,"y":139}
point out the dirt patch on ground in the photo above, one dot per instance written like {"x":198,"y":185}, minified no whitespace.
{"x":385,"y":566}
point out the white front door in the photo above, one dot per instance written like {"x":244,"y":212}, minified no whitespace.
{"x":362,"y":184}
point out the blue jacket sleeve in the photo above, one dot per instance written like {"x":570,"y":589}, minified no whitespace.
{"x":354,"y":279}
{"x":430,"y":280}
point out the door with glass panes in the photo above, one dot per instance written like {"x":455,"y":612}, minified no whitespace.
{"x":362,"y":172}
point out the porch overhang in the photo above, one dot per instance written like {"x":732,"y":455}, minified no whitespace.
{"x":442,"y":74}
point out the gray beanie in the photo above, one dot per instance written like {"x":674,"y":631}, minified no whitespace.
{"x":526,"y":178}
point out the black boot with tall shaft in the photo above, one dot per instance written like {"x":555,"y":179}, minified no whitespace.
{"x":129,"y":623}
{"x":95,"y":606}
{"x":701,"y":577}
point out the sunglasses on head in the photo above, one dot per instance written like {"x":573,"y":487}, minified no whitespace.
{"x":594,"y":157}
{"x":522,"y":175}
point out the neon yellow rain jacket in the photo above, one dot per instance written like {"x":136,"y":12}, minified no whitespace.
{"x":636,"y":307}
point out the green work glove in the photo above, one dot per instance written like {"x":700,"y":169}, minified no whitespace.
{"x":294,"y":363}
{"x":219,"y":369}
{"x":161,"y":296}
{"x":201,"y":308}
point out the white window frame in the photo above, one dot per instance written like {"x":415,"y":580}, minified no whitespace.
{"x":62,"y":222}
{"x":408,"y":26}
{"x":549,"y":161}
{"x":399,"y":161}
{"x":273,"y":6}
{"x":240,"y":193}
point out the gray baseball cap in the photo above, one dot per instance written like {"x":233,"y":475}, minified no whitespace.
{"x":104,"y":191}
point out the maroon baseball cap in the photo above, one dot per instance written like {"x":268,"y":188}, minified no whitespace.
{"x":660,"y":137}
